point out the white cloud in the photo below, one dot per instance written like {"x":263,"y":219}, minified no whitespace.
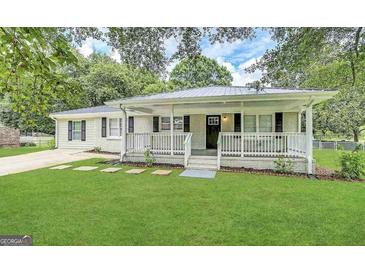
{"x":171,"y":46}
{"x":240,"y":76}
{"x":87,"y":47}
{"x":239,"y":55}
{"x":115,"y":55}
{"x":221,"y":49}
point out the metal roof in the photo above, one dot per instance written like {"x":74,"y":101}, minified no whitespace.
{"x":98,"y":109}
{"x":217,"y":91}
{"x":204,"y":92}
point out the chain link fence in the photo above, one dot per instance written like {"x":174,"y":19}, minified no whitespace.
{"x":345,"y":145}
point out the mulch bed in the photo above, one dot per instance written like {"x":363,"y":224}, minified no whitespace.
{"x":321,"y":173}
{"x":140,"y":164}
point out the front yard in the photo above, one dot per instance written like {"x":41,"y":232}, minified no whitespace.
{"x":66,"y":207}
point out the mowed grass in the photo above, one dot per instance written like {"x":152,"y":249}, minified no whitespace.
{"x":327,"y":158}
{"x":67,"y":207}
{"x":5,"y":152}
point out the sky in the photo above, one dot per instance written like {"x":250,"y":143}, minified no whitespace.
{"x":235,"y":56}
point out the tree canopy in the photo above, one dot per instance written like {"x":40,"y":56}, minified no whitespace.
{"x":200,"y":71}
{"x":103,"y":79}
{"x":31,"y":62}
{"x":146,"y":47}
{"x":321,"y":58}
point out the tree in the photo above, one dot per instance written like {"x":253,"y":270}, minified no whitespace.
{"x":321,"y":58}
{"x":298,"y":49}
{"x":146,"y":47}
{"x":10,"y":118}
{"x":31,"y":62}
{"x":200,"y":71}
{"x":344,"y":115}
{"x":103,"y":79}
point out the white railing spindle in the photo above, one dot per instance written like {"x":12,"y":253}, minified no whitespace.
{"x":270,"y":144}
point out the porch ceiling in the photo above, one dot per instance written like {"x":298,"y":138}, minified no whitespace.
{"x":221,"y":107}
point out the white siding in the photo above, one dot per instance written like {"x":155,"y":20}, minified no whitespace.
{"x":228,"y":122}
{"x":109,"y":144}
{"x":143,"y":124}
{"x":197,"y":127}
{"x":63,"y":141}
{"x":93,"y":137}
{"x":290,"y":121}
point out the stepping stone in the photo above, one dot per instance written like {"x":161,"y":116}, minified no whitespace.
{"x":61,"y":167}
{"x":162,"y":172}
{"x":198,"y":173}
{"x":135,"y":171}
{"x":85,"y":168}
{"x":111,"y":169}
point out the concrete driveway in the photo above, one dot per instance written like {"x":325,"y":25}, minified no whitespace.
{"x":31,"y":161}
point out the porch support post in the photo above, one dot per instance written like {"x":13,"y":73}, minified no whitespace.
{"x":299,"y":121}
{"x":172,"y":129}
{"x":242,"y":128}
{"x":123,"y":139}
{"x":309,"y":138}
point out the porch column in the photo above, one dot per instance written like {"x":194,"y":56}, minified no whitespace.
{"x":123,"y":138}
{"x":299,"y":121}
{"x":56,"y":134}
{"x":172,"y":129}
{"x":309,"y":138}
{"x":242,"y":130}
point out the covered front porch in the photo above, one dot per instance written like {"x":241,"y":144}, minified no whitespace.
{"x":247,"y":127}
{"x":225,"y":133}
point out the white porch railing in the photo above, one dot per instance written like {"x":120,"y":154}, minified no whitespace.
{"x":219,"y":150}
{"x":159,"y":143}
{"x":269,"y":144}
{"x":187,"y":144}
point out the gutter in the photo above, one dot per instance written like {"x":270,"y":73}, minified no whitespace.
{"x":223,"y":98}
{"x":56,"y":131}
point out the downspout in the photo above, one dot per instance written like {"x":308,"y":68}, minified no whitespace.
{"x":56,"y":132}
{"x":123,"y":139}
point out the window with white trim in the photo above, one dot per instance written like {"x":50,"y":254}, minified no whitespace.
{"x":213,"y":121}
{"x":265,"y":123}
{"x":178,"y":123}
{"x":76,"y":130}
{"x":249,"y":123}
{"x":165,"y":123}
{"x":114,"y":127}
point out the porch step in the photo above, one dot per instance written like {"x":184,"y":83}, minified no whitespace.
{"x":202,"y":166}
{"x":202,"y":162}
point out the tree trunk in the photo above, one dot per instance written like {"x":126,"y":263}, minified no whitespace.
{"x":356,"y":135}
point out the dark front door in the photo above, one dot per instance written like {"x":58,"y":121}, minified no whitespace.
{"x":213,"y":128}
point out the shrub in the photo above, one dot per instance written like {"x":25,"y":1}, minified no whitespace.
{"x":28,"y":144}
{"x":51,"y":144}
{"x":283,"y":165}
{"x":352,"y":164}
{"x":97,"y":149}
{"x":148,"y":157}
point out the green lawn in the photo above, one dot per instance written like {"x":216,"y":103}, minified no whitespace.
{"x":4,"y":152}
{"x":327,"y":158}
{"x":66,"y":207}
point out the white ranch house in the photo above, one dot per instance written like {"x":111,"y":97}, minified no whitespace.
{"x":208,"y":127}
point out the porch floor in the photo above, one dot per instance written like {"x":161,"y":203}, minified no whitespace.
{"x":204,"y":152}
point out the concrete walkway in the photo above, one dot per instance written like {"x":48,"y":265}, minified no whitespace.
{"x":31,"y":161}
